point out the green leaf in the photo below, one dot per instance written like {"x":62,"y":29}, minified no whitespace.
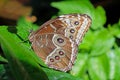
{"x":24,"y":28}
{"x":86,"y":77}
{"x":98,"y":67}
{"x":23,"y":64}
{"x":87,"y":42}
{"x":99,"y":18}
{"x":115,"y":29}
{"x":112,"y":64}
{"x":2,"y":59}
{"x":84,"y":7}
{"x":57,"y":75}
{"x":97,"y":42}
{"x":80,"y":65}
{"x":2,"y":71}
{"x":116,"y":57}
{"x":103,"y":42}
{"x":65,"y":7}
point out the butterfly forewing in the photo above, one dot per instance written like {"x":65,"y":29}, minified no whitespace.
{"x":56,"y":42}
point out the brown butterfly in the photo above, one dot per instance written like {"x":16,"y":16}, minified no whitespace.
{"x":56,"y":41}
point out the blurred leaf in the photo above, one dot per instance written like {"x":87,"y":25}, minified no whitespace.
{"x":98,"y":67}
{"x":24,"y":27}
{"x":115,"y":29}
{"x":2,"y":59}
{"x":114,"y":63}
{"x":57,"y":75}
{"x":87,"y":41}
{"x":84,"y":7}
{"x":97,"y":42}
{"x":80,"y":65}
{"x":23,"y":65}
{"x":86,"y":76}
{"x":117,"y":63}
{"x":2,"y":71}
{"x":103,"y":42}
{"x":99,"y":18}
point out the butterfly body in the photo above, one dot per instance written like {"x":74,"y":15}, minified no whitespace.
{"x":56,"y":42}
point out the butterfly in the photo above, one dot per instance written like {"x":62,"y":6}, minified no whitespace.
{"x":56,"y":41}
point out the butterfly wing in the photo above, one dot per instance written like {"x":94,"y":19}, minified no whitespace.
{"x":77,"y":25}
{"x":55,"y":50}
{"x":56,"y":42}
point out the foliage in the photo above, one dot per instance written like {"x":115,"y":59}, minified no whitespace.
{"x":98,"y":57}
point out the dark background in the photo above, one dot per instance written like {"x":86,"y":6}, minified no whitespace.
{"x":43,"y":11}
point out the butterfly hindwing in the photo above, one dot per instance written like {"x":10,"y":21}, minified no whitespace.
{"x":55,"y":50}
